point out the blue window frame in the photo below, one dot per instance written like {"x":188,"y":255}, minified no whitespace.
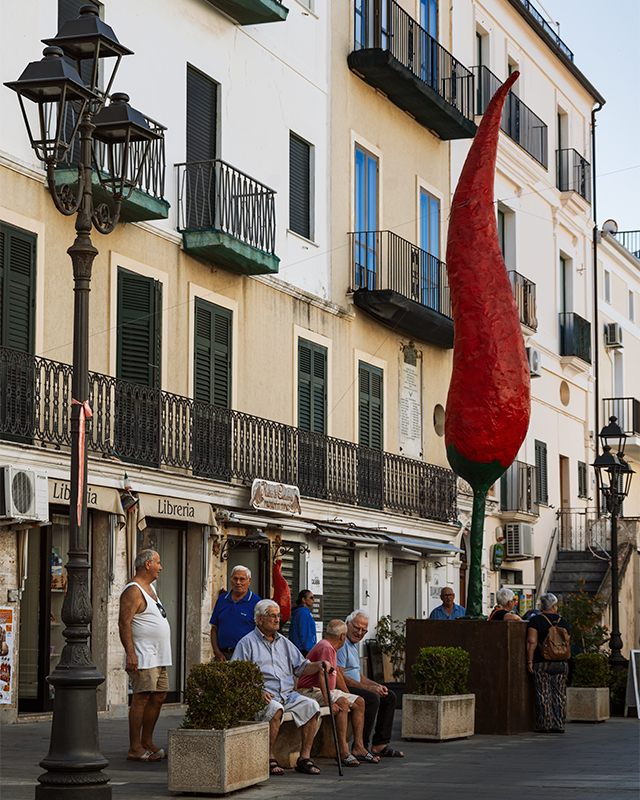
{"x":430,"y":278}
{"x":366,"y":218}
{"x":428,"y":42}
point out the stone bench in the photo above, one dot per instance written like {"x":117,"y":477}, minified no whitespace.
{"x":287,"y":747}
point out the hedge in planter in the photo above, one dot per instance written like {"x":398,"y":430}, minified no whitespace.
{"x":588,"y":695}
{"x":592,"y":671}
{"x":442,"y":709}
{"x":218,"y":750}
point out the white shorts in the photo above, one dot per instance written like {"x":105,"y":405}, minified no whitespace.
{"x":336,"y":694}
{"x":302,"y":709}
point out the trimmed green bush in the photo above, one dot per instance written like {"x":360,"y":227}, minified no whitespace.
{"x":222,"y":693}
{"x":592,"y":671}
{"x":441,"y":670}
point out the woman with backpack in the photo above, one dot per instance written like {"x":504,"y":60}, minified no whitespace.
{"x":548,"y":653}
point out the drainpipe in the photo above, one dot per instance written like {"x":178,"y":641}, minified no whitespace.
{"x":596,"y":322}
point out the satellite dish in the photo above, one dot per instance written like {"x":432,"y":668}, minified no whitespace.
{"x":610,"y":226}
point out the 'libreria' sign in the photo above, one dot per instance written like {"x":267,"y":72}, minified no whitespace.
{"x":182,"y":510}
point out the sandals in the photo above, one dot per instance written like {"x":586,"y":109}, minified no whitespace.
{"x":389,"y":752}
{"x":369,"y":758}
{"x":275,"y":768}
{"x":307,"y":766}
{"x":350,"y":761}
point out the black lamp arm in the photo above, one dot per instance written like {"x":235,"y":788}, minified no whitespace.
{"x":104,"y":220}
{"x":63,"y":196}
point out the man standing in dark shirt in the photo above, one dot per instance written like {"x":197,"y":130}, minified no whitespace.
{"x":233,"y":614}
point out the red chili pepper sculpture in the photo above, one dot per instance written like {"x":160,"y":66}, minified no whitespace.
{"x":281,"y":591}
{"x":488,"y":405}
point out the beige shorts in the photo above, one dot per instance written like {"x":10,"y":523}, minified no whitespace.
{"x":154,"y":679}
{"x":336,"y":694}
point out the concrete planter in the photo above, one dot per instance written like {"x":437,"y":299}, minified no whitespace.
{"x":217,"y":762}
{"x":438,"y":717}
{"x":587,"y":705}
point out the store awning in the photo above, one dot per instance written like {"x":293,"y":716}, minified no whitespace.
{"x":350,"y":535}
{"x":100,"y":498}
{"x":421,"y":545}
{"x":161,"y":507}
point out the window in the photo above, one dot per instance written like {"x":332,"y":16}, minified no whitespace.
{"x":430,"y":278}
{"x":370,"y":417}
{"x":607,"y":286}
{"x":501,"y":235}
{"x":300,"y":186}
{"x":632,"y":306}
{"x":366,"y":218}
{"x":429,"y":17}
{"x":17,"y":288}
{"x":139,"y":349}
{"x":312,"y":387}
{"x":212,"y":353}
{"x":583,"y":489}
{"x":566,"y":285}
{"x":542,"y":496}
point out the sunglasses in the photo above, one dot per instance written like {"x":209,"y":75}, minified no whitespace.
{"x":161,"y":610}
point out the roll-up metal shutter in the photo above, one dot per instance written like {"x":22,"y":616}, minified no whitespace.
{"x":291,"y":574}
{"x":337,"y":584}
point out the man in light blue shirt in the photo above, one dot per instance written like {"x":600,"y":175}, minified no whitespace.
{"x":448,"y":609}
{"x":279,"y":661}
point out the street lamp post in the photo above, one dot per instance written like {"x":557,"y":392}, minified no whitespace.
{"x":613,"y":476}
{"x":67,"y":107}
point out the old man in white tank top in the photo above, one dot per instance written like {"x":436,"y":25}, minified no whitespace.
{"x":146,"y":637}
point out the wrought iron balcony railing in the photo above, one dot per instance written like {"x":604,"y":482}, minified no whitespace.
{"x":384,"y":25}
{"x":630,"y":240}
{"x":627,"y":412}
{"x":213,"y":195}
{"x":574,"y":173}
{"x":160,"y":429}
{"x":537,"y":16}
{"x":524,"y":292}
{"x":518,"y":120}
{"x":581,"y":529}
{"x":518,"y":489}
{"x":382,"y":260}
{"x":575,"y":336}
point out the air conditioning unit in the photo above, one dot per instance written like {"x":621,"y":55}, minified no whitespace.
{"x":519,"y":540}
{"x":24,"y":494}
{"x":535,"y":362}
{"x":613,"y":335}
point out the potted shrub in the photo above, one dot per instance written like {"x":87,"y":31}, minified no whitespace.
{"x":219,"y":749}
{"x":588,"y":695}
{"x":442,"y":709}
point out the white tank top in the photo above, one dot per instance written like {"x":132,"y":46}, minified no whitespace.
{"x":151,"y":634}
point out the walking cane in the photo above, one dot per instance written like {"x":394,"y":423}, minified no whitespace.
{"x":333,"y":719}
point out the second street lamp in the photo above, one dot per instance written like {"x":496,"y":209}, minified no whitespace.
{"x":613,"y":477}
{"x":66,"y":106}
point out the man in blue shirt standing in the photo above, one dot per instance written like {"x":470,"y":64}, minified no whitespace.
{"x":233,"y":614}
{"x":448,"y":609}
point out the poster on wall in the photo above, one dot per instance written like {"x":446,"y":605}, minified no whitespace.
{"x":6,"y":654}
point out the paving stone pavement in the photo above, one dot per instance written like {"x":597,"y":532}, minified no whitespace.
{"x":589,"y":762}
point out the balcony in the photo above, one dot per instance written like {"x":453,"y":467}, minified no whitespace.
{"x":575,"y":337}
{"x":401,"y":286}
{"x":574,"y":173}
{"x":146,"y":202}
{"x":394,"y":54}
{"x":542,"y":22}
{"x":518,"y":120}
{"x":252,"y":12}
{"x":517,"y":490}
{"x":524,"y":292}
{"x":167,"y":431}
{"x":630,"y":240}
{"x":627,"y":411}
{"x":227,"y":218}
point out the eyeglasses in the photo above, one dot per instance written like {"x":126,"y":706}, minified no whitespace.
{"x":443,"y":596}
{"x":161,"y":610}
{"x":358,"y":629}
{"x":273,"y":616}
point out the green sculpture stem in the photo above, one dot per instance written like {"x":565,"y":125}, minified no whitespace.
{"x":481,"y":478}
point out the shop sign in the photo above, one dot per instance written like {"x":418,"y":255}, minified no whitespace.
{"x":275,"y":496}
{"x":152,"y":505}
{"x":6,"y":655}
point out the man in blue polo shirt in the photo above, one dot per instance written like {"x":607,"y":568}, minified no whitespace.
{"x":448,"y":609}
{"x":233,"y":614}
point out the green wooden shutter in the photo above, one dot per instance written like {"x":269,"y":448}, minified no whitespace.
{"x":582,"y":480}
{"x":299,"y":186}
{"x":370,"y":421}
{"x":17,"y":288}
{"x":337,"y":584}
{"x":312,"y":387}
{"x":212,"y":354}
{"x":541,"y":473}
{"x":139,"y":352}
{"x":202,"y":94}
